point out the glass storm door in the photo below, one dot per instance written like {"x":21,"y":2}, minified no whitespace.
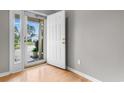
{"x":33,"y":39}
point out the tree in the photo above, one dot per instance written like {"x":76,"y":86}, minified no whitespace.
{"x":17,"y":37}
{"x":31,"y":31}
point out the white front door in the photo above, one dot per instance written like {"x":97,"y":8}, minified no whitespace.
{"x":56,"y":39}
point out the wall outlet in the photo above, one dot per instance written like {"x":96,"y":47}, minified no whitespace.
{"x":78,"y":62}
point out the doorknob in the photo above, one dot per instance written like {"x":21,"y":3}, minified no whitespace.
{"x":63,"y":42}
{"x":63,"y":38}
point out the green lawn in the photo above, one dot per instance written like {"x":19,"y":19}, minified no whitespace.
{"x":17,"y":46}
{"x":29,"y":43}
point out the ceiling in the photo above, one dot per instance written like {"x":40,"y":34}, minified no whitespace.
{"x":47,"y":12}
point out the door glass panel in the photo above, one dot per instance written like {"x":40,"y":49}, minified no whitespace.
{"x":34,"y":40}
{"x":17,"y":39}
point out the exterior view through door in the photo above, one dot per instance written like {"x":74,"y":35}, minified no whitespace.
{"x":34,"y":39}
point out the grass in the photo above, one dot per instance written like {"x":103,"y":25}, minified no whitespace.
{"x":17,"y":46}
{"x":29,"y":43}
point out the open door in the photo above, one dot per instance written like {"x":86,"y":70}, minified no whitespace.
{"x":56,"y":39}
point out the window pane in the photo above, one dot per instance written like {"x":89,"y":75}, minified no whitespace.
{"x":17,"y":39}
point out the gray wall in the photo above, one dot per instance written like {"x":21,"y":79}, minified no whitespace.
{"x":4,"y":41}
{"x":97,"y":39}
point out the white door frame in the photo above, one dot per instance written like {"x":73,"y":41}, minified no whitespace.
{"x":39,"y":16}
{"x":11,"y":37}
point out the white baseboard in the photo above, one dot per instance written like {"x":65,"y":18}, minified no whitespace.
{"x":84,"y":75}
{"x":4,"y":74}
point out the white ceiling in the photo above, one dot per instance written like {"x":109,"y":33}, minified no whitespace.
{"x":47,"y":12}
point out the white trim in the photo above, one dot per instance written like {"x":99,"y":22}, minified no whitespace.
{"x":10,"y":40}
{"x":45,"y":40}
{"x":4,"y":74}
{"x":83,"y":75}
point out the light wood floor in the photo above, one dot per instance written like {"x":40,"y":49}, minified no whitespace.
{"x":43,"y":73}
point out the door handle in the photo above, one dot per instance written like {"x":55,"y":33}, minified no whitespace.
{"x":63,"y":38}
{"x":63,"y":42}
